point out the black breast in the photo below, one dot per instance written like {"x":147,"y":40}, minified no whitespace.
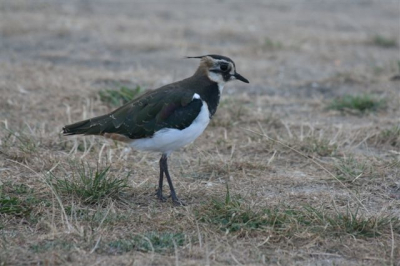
{"x":207,"y":90}
{"x":210,"y":94}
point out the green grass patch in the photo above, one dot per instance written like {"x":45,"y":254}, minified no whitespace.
{"x":19,"y":189}
{"x":14,"y":206}
{"x":351,"y":222}
{"x":384,"y":42}
{"x":359,"y":103}
{"x":161,"y":242}
{"x":350,"y":169}
{"x":321,"y":147}
{"x":89,"y":184}
{"x":232,"y":215}
{"x":121,"y":96}
{"x":18,"y":199}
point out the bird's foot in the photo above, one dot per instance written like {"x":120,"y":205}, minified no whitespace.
{"x":160,"y":196}
{"x":177,"y":201}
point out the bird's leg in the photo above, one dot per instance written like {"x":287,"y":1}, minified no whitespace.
{"x":164,"y":162}
{"x":160,"y":182}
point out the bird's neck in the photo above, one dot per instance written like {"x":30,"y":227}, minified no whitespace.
{"x":209,"y":91}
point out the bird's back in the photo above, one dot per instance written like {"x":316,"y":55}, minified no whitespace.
{"x":170,"y":106}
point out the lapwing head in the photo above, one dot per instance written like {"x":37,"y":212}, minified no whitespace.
{"x":218,"y":68}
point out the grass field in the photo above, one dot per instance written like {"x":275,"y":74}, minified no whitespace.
{"x":299,"y":167}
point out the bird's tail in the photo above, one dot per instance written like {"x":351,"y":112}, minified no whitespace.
{"x":93,"y":126}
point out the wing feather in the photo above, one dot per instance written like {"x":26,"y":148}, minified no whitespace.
{"x":171,"y":106}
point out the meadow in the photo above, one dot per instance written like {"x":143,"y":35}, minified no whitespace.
{"x":299,"y":167}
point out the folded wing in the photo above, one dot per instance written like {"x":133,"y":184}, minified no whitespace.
{"x":144,"y":116}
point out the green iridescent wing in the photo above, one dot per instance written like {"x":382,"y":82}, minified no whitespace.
{"x":167,"y":107}
{"x":150,"y":113}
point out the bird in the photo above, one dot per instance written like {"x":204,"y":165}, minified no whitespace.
{"x":166,"y":119}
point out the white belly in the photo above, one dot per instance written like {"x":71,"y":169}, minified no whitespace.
{"x":170,"y":139}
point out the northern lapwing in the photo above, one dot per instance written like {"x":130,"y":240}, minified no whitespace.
{"x":168,"y":118}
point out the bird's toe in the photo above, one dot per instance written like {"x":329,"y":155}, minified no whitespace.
{"x":177,"y":201}
{"x":161,"y":197}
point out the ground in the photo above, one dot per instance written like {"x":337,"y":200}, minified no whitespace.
{"x":286,"y":173}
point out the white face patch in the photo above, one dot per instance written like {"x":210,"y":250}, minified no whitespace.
{"x":216,"y":77}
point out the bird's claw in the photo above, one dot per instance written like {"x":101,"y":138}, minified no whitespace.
{"x":160,"y":196}
{"x":177,"y":201}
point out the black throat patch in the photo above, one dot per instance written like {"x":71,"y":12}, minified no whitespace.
{"x":209,"y":92}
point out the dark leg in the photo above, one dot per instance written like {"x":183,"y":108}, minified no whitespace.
{"x":160,"y":183}
{"x":164,"y":163}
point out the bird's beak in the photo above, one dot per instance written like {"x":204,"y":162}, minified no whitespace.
{"x":240,"y":77}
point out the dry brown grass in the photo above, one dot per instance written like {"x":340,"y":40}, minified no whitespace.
{"x":278,"y":178}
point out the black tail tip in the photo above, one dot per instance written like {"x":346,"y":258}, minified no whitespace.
{"x":66,"y":132}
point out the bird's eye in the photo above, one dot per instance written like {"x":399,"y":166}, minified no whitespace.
{"x":224,"y":67}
